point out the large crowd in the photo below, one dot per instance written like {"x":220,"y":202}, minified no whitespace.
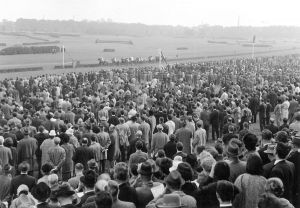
{"x":207,"y":135}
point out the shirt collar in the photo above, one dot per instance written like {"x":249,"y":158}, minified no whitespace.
{"x":226,"y":205}
{"x":277,"y":161}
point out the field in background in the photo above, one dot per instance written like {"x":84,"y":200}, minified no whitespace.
{"x":85,"y":49}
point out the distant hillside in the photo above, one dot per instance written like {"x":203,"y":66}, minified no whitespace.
{"x":54,"y":27}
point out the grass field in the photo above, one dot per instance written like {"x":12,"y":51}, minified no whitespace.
{"x":85,"y":50}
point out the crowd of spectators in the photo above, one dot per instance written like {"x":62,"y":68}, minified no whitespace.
{"x":183,"y":136}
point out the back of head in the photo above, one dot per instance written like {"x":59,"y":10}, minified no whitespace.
{"x":179,"y":146}
{"x":101,"y":185}
{"x":139,"y":145}
{"x":186,"y":171}
{"x":250,"y":141}
{"x":274,"y":186}
{"x":121,"y":171}
{"x":282,"y":150}
{"x":103,"y":200}
{"x":79,"y":167}
{"x":221,"y":171}
{"x":56,"y":140}
{"x":226,"y":191}
{"x":113,"y":188}
{"x":254,"y":165}
{"x":52,"y":179}
{"x":23,"y":167}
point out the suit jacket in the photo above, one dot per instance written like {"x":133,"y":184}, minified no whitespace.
{"x":21,"y":179}
{"x":285,"y":171}
{"x":26,"y":151}
{"x":5,"y":182}
{"x":5,"y":155}
{"x":206,"y":196}
{"x":214,"y":118}
{"x":83,"y":155}
{"x":294,"y":157}
{"x":70,"y":117}
{"x":127,"y":193}
{"x":85,"y":197}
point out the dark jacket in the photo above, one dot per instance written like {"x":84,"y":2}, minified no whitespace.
{"x":294,"y":157}
{"x":83,"y":155}
{"x":21,"y":179}
{"x":45,"y":205}
{"x":206,"y":196}
{"x":285,"y":171}
{"x":85,"y":197}
{"x":214,"y":118}
{"x":144,"y":194}
{"x":127,"y":193}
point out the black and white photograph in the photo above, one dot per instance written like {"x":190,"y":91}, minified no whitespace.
{"x":149,"y":104}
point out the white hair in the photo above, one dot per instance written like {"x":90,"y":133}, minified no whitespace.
{"x":1,"y":140}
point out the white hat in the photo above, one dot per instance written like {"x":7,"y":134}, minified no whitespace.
{"x":22,"y":187}
{"x":177,"y":160}
{"x":52,"y":133}
{"x":70,"y":132}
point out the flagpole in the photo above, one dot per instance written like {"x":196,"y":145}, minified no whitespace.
{"x":159,"y":63}
{"x":63,"y":56}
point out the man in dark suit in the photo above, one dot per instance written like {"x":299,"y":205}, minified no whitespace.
{"x":113,"y":119}
{"x":294,"y":157}
{"x":253,"y":105}
{"x":170,"y":148}
{"x":179,"y":147}
{"x":88,"y":180}
{"x":262,"y":114}
{"x":282,"y":169}
{"x":139,"y":156}
{"x":214,"y":121}
{"x":126,"y":192}
{"x":83,"y":154}
{"x":24,"y":178}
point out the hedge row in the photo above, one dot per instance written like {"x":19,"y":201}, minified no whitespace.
{"x":13,"y":70}
{"x":29,"y":50}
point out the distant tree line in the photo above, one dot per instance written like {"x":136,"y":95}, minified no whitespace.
{"x":113,"y":28}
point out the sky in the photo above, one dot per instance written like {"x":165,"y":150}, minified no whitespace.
{"x":159,"y":12}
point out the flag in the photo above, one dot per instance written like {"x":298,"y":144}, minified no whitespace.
{"x":254,"y":38}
